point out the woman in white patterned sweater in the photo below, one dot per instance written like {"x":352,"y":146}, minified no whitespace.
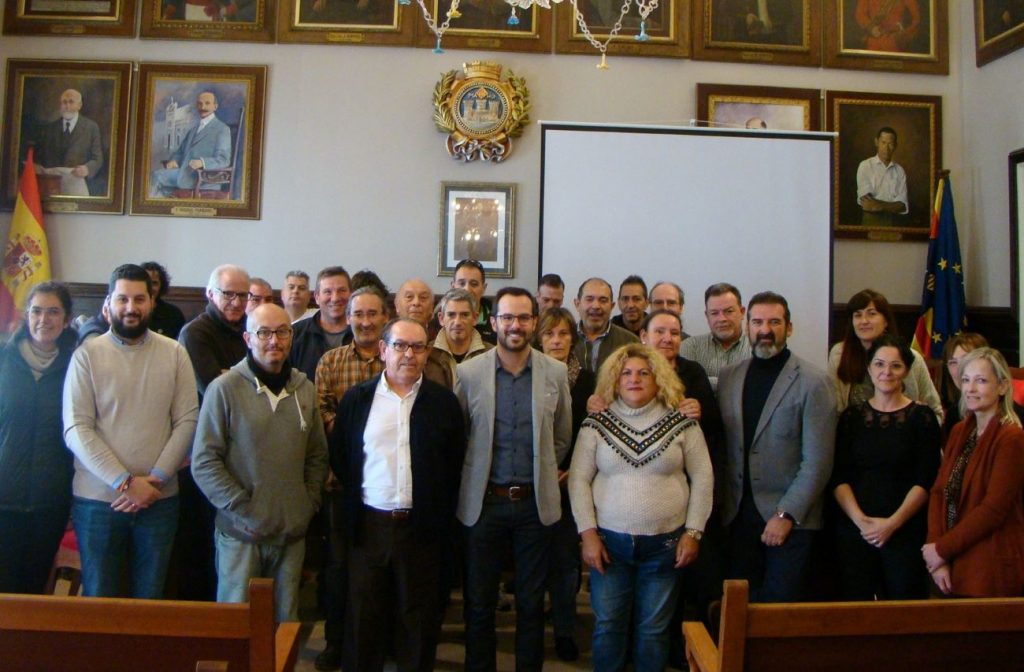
{"x":641,"y":488}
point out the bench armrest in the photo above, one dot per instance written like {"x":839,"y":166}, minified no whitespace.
{"x":701,"y":652}
{"x":286,"y":646}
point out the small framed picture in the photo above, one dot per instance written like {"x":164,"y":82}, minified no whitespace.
{"x":380,"y":22}
{"x":781,"y":32}
{"x":74,"y":114}
{"x":110,"y":18}
{"x":900,"y":36}
{"x":998,"y":28}
{"x":477,"y":222}
{"x":667,"y":28}
{"x":199,"y":140}
{"x":886,"y":163}
{"x":484,"y":24}
{"x":758,"y":107}
{"x":215,"y":20}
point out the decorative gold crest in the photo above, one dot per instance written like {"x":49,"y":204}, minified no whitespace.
{"x":480,"y":112}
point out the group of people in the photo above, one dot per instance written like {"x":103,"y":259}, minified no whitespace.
{"x":408,"y":450}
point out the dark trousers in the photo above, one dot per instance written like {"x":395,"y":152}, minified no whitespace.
{"x":193,"y":555}
{"x":775,"y":573}
{"x":394,"y":579}
{"x":502,"y":521}
{"x":28,"y":543}
{"x":333,"y":577}
{"x":895,"y":571}
{"x":564,"y":572}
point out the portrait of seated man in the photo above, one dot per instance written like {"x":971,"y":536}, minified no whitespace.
{"x":205,"y":145}
{"x":767,"y":22}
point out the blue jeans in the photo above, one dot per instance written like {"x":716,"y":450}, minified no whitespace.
{"x":238,"y":561}
{"x":642,"y":580}
{"x":107,"y":537}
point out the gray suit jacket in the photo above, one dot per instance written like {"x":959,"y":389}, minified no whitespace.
{"x":552,"y":431}
{"x":791,"y":455}
{"x":212,"y":145}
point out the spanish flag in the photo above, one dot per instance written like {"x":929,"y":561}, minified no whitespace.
{"x":942,"y":301}
{"x":27,"y":256}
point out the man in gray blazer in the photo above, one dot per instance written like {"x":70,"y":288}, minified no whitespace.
{"x":780,"y":422}
{"x":72,"y":141}
{"x":517,"y":406}
{"x":206,"y":145}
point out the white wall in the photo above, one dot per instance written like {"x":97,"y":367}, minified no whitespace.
{"x":353,"y":164}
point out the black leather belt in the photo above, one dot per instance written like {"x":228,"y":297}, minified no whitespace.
{"x":511,"y":492}
{"x":393,"y":514}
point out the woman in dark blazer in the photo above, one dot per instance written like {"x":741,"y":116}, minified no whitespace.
{"x":976,"y":511}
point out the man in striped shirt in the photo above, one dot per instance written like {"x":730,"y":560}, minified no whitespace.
{"x":725,"y":345}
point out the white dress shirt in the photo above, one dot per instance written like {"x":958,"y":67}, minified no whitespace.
{"x":387,"y":468}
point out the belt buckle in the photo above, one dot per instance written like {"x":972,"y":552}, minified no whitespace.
{"x":399,"y":514}
{"x":513,"y":492}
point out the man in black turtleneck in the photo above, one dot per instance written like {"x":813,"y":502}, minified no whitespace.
{"x":214,"y":343}
{"x":780,"y":421}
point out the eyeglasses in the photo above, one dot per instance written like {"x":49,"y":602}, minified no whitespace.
{"x":402,"y":347}
{"x":507,"y":318}
{"x":232,"y":296}
{"x":256,"y":298}
{"x":264,"y":334}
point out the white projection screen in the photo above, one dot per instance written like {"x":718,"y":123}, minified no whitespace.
{"x":693,"y":206}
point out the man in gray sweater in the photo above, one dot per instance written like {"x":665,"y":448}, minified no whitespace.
{"x":260,"y":456}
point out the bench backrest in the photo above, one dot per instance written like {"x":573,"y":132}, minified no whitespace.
{"x":49,"y":633}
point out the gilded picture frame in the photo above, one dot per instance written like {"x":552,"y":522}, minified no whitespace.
{"x":787,"y":33}
{"x":900,"y":36}
{"x":483,"y":25}
{"x":477,"y":222}
{"x":199,"y":140}
{"x":758,"y":107}
{"x":67,"y":18}
{"x":998,"y":29}
{"x":217,"y":20}
{"x":866,"y":124}
{"x":668,"y":28}
{"x":374,"y":22}
{"x":75,"y":115}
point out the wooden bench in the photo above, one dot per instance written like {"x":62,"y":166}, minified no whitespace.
{"x":910,"y":636}
{"x":92,"y":634}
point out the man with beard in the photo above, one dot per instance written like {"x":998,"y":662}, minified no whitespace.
{"x":260,"y":456}
{"x":129,"y":416}
{"x":214,"y":343}
{"x":725,"y":344}
{"x":457,"y":341}
{"x":780,"y":426}
{"x":339,"y":370}
{"x":598,"y":336}
{"x":632,"y":304}
{"x":327,"y":328}
{"x":517,"y":406}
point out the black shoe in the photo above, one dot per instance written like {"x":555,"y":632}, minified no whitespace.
{"x":566,"y":649}
{"x":329,"y":659}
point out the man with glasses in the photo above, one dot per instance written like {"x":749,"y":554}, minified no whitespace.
{"x":260,"y":456}
{"x":725,"y":344}
{"x":517,"y":407}
{"x":397,"y":449}
{"x":598,"y":336}
{"x":260,"y":292}
{"x":327,"y":328}
{"x":214,"y":343}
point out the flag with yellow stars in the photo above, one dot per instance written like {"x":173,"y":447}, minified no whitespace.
{"x":942,"y":301}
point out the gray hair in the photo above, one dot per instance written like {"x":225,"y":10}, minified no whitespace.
{"x":363,"y":291}
{"x":214,"y":280}
{"x":458,"y":294}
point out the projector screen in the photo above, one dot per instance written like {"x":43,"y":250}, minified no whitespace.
{"x":693,"y":206}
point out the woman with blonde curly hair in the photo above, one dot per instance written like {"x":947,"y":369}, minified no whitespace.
{"x":641,"y":489}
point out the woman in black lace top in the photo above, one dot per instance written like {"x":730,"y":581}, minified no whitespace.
{"x":887,"y":455}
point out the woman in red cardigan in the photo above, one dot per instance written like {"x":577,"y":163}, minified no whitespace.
{"x":976,"y":510}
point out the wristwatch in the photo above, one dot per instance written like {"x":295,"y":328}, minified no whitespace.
{"x":694,"y":534}
{"x":785,"y":516}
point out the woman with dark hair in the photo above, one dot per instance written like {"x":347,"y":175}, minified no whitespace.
{"x":556,"y":336}
{"x":870,"y":316}
{"x":887,"y":455}
{"x":976,"y":512}
{"x":35,"y":464}
{"x":166,"y":318}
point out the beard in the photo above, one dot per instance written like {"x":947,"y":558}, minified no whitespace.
{"x":126,"y":332}
{"x":503,"y":340}
{"x":766,"y":349}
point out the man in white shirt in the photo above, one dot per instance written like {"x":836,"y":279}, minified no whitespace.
{"x":882,"y":183}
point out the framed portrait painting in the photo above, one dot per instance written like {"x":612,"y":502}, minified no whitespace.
{"x":74,"y":116}
{"x":484,"y":24}
{"x":667,"y":28}
{"x":199,"y":140}
{"x":781,"y":32}
{"x":886,"y":164}
{"x":110,"y":18}
{"x":385,"y":22}
{"x":758,"y":107}
{"x":998,"y":29}
{"x":215,"y":20}
{"x":477,"y":222}
{"x":894,"y":35}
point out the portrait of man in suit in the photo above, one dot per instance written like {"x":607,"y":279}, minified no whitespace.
{"x":69,"y":148}
{"x":206,"y":144}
